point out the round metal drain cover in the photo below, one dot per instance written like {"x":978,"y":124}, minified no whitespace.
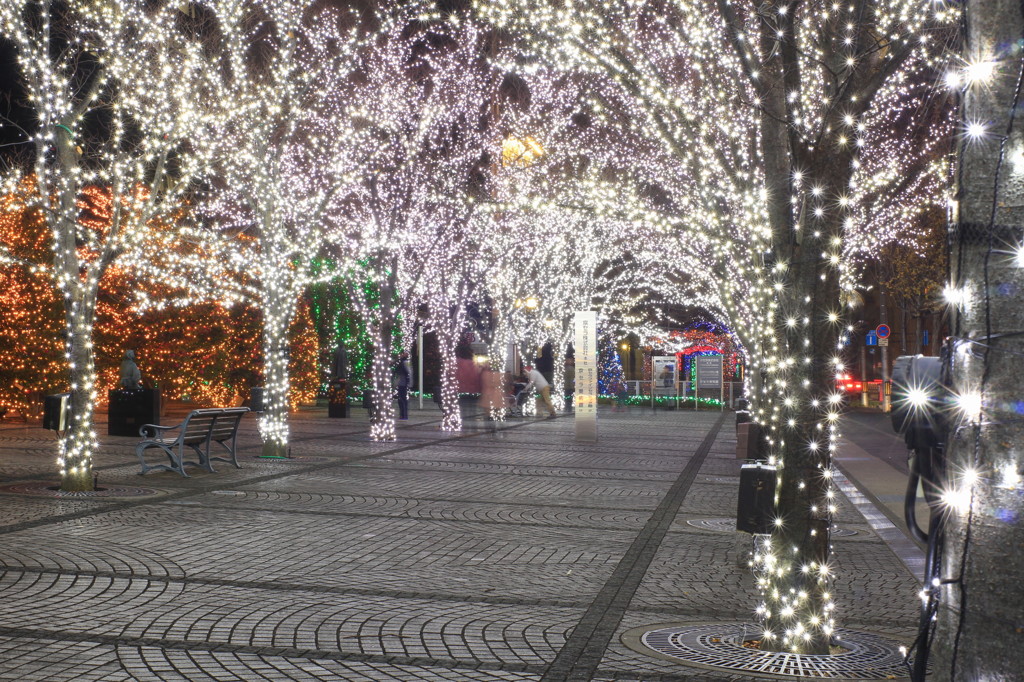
{"x":724,"y":525}
{"x":51,"y":489}
{"x":720,"y":646}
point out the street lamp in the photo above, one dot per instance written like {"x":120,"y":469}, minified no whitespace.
{"x":520,"y":152}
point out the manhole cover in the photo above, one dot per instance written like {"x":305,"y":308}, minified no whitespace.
{"x":724,"y":525}
{"x":51,"y":489}
{"x":720,"y":646}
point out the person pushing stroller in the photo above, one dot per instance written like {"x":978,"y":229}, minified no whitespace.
{"x":535,"y":379}
{"x":517,"y":398}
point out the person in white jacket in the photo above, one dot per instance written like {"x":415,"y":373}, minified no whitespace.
{"x":536,"y":380}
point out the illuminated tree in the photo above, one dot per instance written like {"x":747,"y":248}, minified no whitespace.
{"x":610,"y":378}
{"x":31,"y":352}
{"x":418,"y":106}
{"x":121,"y":101}
{"x":442,"y":275}
{"x":282,"y":159}
{"x":914,"y":274}
{"x":769,"y":113}
{"x":204,"y":353}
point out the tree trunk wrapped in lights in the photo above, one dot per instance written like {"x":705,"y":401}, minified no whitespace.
{"x":974,"y":601}
{"x":417,"y":105}
{"x":451,"y":413}
{"x":771,"y":115}
{"x":123,"y":101}
{"x":282,"y":162}
{"x":278,"y":308}
{"x":382,"y":416}
{"x":375,"y":301}
{"x":558,"y":347}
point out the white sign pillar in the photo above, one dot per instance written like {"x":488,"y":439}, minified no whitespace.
{"x":585,"y":347}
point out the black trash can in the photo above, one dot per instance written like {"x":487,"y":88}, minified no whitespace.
{"x":256,"y":399}
{"x":742,"y":412}
{"x":755,"y":511}
{"x":57,"y":412}
{"x":130,"y":409}
{"x":368,"y":396}
{"x":337,"y":400}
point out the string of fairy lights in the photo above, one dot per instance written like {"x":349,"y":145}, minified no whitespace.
{"x":636,"y":140}
{"x":149,"y":93}
{"x":695,"y":78}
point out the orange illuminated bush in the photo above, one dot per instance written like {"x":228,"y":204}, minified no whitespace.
{"x":205,"y":353}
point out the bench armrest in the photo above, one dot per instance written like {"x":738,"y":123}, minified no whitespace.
{"x":156,"y":429}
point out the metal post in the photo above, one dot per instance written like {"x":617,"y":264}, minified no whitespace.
{"x":419,"y":361}
{"x":885,"y":354}
{"x":864,"y":375}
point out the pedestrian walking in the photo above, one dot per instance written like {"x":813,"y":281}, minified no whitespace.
{"x":536,"y":380}
{"x":403,"y":379}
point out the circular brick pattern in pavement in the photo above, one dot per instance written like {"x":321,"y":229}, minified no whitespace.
{"x":720,"y":646}
{"x":725,"y":525}
{"x":50,"y":489}
{"x":731,"y":480}
{"x":290,"y":460}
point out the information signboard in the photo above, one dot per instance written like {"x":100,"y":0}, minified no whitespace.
{"x":585,"y":347}
{"x":663,"y":371}
{"x":709,"y":371}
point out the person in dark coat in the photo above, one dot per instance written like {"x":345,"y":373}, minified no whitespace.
{"x":403,"y":379}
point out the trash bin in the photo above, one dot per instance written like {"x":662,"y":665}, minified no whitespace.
{"x":130,"y":409}
{"x":747,"y":435}
{"x":57,"y":412}
{"x":337,"y":400}
{"x":755,"y":509}
{"x":368,"y":396}
{"x":256,"y":399}
{"x":742,"y":413}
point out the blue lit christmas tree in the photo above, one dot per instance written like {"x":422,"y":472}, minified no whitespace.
{"x":610,"y":378}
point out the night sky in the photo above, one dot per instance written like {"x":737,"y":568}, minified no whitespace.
{"x":11,"y":100}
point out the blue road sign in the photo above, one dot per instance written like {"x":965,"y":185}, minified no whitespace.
{"x":871,"y":338}
{"x":924,"y":338}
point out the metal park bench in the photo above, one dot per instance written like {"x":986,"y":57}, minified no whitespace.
{"x":200,"y":430}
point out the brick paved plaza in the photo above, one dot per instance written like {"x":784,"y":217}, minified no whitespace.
{"x":516,"y":555}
